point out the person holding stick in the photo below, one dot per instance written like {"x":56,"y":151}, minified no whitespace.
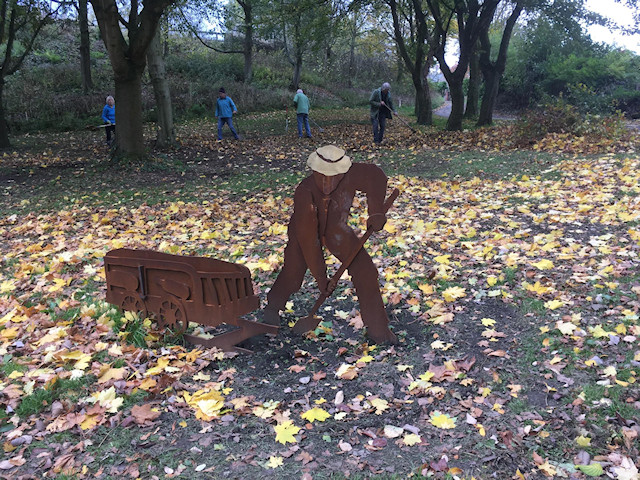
{"x":109,"y":117}
{"x":225,"y":108}
{"x":301,"y":102}
{"x":321,"y":207}
{"x":381,"y":109}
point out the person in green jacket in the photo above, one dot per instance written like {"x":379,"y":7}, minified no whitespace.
{"x":381,"y":109}
{"x":301,"y":101}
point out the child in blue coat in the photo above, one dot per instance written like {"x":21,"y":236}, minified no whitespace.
{"x":109,"y":117}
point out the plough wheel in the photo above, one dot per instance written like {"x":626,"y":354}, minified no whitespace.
{"x":172,"y":315}
{"x":133,"y":303}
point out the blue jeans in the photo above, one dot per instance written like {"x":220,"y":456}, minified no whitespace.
{"x":379,"y":122}
{"x":228,"y":121}
{"x":304,"y":118}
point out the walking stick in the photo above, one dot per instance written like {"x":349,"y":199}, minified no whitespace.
{"x":286,"y":124}
{"x":310,"y":322}
{"x":402,"y":120}
{"x":320,"y":129}
{"x":238,"y":127}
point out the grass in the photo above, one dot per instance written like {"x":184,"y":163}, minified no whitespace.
{"x":8,"y":366}
{"x":42,"y":398}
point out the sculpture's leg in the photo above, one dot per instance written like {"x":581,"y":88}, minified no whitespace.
{"x":288,"y":282}
{"x":365,"y":278}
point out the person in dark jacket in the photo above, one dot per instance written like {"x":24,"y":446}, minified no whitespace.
{"x":381,"y":109}
{"x":109,"y":117}
{"x":225,"y":108}
{"x":321,"y":207}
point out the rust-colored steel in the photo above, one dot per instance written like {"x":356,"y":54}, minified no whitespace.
{"x":322,"y":203}
{"x":179,"y":290}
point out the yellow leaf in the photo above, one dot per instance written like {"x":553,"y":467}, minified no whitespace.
{"x":537,"y":288}
{"x":10,"y":333}
{"x":492,"y":280}
{"x":553,"y":304}
{"x":275,"y":462}
{"x":314,"y":414}
{"x":411,"y":439}
{"x":442,"y":420}
{"x":380,"y":405}
{"x":7,"y":286}
{"x":107,"y":399}
{"x":621,"y":329}
{"x":444,"y":259}
{"x":347,"y":372}
{"x":112,"y":374}
{"x":548,"y":469}
{"x":163,"y":363}
{"x":89,"y":422}
{"x":206,"y":403}
{"x":566,"y":328}
{"x":453,"y":293}
{"x":285,"y":432}
{"x":148,"y":384}
{"x":488,"y":322}
{"x":599,"y":332}
{"x":583,"y":441}
{"x":543,"y":265}
{"x":426,"y":288}
{"x":610,"y":371}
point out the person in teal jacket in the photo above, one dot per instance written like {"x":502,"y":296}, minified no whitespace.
{"x":301,"y":101}
{"x":381,"y":109}
{"x":225,"y":108}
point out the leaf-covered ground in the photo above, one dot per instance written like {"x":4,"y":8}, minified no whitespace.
{"x":519,"y":359}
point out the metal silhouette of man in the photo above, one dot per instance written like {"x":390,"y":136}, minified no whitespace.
{"x":322,"y":203}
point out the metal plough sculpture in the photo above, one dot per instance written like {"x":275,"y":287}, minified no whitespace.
{"x":179,"y":290}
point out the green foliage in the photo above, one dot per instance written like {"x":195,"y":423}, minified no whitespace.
{"x":132,"y":328}
{"x":207,"y":65}
{"x":545,"y":60}
{"x":266,"y":76}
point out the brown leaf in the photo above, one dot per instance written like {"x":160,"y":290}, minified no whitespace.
{"x":143,"y":414}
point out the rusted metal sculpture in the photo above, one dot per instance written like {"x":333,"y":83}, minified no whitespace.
{"x":179,"y":290}
{"x":322,"y":203}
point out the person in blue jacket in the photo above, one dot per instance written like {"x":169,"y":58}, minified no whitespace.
{"x":109,"y":117}
{"x":225,"y":108}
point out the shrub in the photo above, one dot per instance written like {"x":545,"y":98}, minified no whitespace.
{"x":610,"y":127}
{"x":555,"y":116}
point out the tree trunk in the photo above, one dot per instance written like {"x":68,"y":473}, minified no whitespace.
{"x":297,"y":71}
{"x":166,"y":133}
{"x":4,"y":127}
{"x":491,"y":87}
{"x":424,"y":113}
{"x":129,"y":139}
{"x":352,"y":56}
{"x":248,"y":43}
{"x":457,"y":104}
{"x":85,"y":46}
{"x":473,"y":94}
{"x":493,"y":71}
